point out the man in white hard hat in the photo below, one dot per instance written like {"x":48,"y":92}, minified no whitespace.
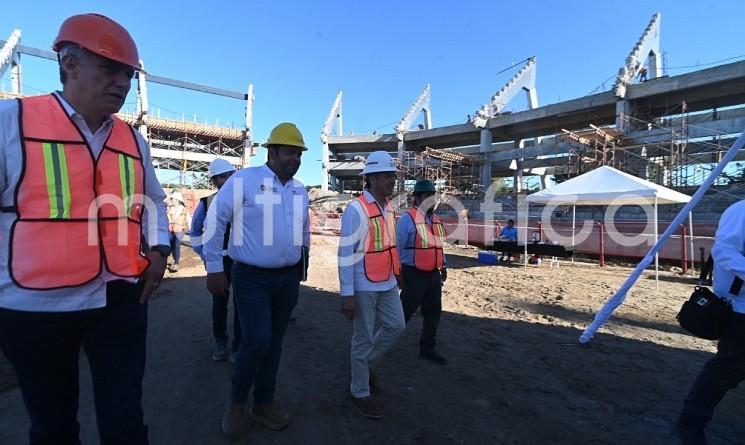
{"x":268,"y":211}
{"x":368,"y":274}
{"x":220,"y":170}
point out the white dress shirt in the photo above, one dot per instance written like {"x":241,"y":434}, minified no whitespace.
{"x":88,"y":296}
{"x":729,"y":256}
{"x":269,"y":220}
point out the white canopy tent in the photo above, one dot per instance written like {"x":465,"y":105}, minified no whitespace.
{"x":608,"y":186}
{"x":617,"y":299}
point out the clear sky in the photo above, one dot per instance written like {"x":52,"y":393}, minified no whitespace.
{"x":298,"y":54}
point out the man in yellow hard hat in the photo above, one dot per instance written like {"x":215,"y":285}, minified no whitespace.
{"x":77,"y":186}
{"x":267,"y":210}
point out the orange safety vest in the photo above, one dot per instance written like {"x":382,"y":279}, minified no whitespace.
{"x":428,"y":240}
{"x":381,"y":255}
{"x":75,"y":213}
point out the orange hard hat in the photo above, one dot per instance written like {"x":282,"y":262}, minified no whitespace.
{"x":99,"y":35}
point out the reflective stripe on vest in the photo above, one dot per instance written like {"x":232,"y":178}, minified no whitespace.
{"x":76,"y":214}
{"x":428,"y":255}
{"x":381,"y":255}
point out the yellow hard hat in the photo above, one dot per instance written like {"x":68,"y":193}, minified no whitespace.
{"x":286,"y":134}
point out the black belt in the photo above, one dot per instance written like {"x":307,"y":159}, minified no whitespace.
{"x":407,"y":267}
{"x":276,"y":270}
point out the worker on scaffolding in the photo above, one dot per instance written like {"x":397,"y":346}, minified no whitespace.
{"x":368,"y":279}
{"x":642,"y":73}
{"x":420,"y":235}
{"x":78,"y":188}
{"x":270,"y":235}
{"x":220,"y":170}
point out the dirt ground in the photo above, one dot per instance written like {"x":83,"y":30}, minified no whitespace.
{"x":516,"y":374}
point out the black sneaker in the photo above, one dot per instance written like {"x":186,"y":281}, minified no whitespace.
{"x":433,"y":357}
{"x":221,"y":353}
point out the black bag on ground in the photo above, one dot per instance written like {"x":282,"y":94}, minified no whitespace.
{"x":704,"y":314}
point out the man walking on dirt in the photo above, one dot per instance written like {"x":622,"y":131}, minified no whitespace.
{"x":220,"y":170}
{"x":368,"y":274}
{"x":420,"y":235}
{"x":270,"y":234}
{"x":727,"y":368}
{"x":78,"y":193}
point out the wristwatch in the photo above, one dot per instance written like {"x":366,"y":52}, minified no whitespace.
{"x":161,"y":249}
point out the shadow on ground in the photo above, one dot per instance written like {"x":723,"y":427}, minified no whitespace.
{"x":508,"y":382}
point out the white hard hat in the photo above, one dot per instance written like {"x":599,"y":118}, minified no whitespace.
{"x":177,"y":196}
{"x":379,"y":162}
{"x":220,"y":166}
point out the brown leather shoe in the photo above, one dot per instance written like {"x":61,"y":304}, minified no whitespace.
{"x":270,"y":416}
{"x":371,"y":407}
{"x":375,"y":385}
{"x":234,"y":422}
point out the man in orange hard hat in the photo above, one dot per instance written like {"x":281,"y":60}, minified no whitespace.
{"x":78,"y":194}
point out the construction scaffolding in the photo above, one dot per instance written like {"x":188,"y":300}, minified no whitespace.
{"x":590,"y":149}
{"x":189,"y":147}
{"x":450,"y":171}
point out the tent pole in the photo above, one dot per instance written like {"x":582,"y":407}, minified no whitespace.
{"x":690,"y":230}
{"x":656,"y":255}
{"x":574,"y":220}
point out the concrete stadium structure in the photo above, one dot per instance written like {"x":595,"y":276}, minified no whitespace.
{"x":657,"y":127}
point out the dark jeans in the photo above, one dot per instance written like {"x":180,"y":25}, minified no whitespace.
{"x":720,"y":374}
{"x":706,"y":271}
{"x":174,"y":239}
{"x":220,"y":312}
{"x":265,"y":300}
{"x":423,"y":289}
{"x":44,"y":347}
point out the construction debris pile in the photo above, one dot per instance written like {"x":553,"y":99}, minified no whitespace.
{"x":325,"y":201}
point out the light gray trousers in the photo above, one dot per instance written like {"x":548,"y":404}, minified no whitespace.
{"x":369,"y":345}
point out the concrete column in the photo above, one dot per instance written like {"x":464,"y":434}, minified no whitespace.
{"x":325,"y":167}
{"x":519,"y":171}
{"x":246,"y":161}
{"x":655,"y":65}
{"x":401,"y":149}
{"x":15,"y":78}
{"x":544,"y":181}
{"x":623,"y":108}
{"x":401,"y":177}
{"x":532,"y":98}
{"x":427,"y":118}
{"x":143,"y":104}
{"x":249,"y":123}
{"x":486,"y":141}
